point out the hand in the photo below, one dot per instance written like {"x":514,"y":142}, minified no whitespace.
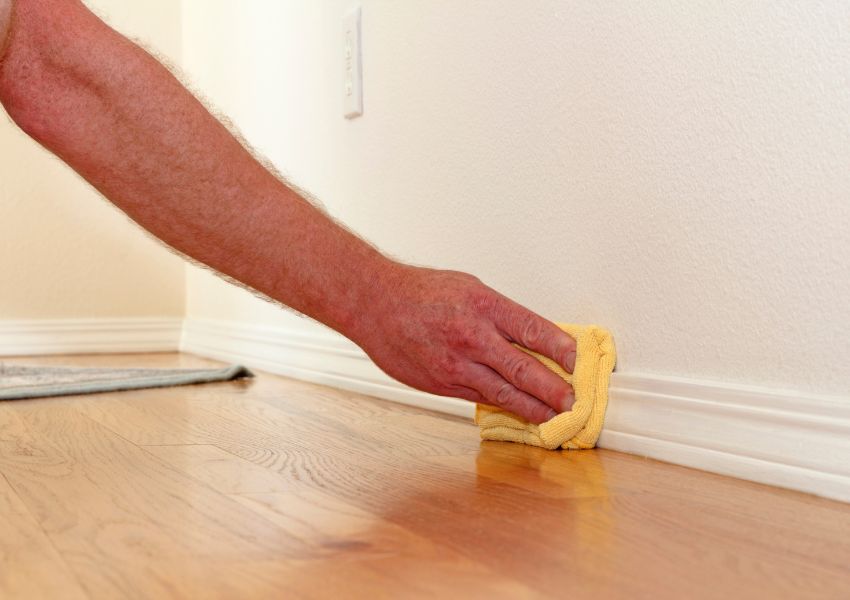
{"x":446,"y":333}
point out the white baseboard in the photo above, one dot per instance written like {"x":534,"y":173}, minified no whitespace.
{"x":795,"y":441}
{"x":785,"y":439}
{"x":790,"y":440}
{"x":84,"y":336}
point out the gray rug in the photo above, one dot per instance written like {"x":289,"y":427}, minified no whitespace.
{"x":20,"y":382}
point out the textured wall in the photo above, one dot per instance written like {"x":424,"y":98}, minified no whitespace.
{"x":679,"y":172}
{"x":64,"y":251}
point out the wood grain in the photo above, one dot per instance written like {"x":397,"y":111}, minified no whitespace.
{"x":30,"y":567}
{"x":277,"y":488}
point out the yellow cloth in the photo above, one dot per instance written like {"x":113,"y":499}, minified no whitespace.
{"x":581,"y":426}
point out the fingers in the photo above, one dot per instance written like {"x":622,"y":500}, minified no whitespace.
{"x":535,"y":333}
{"x":528,"y":374}
{"x":495,"y":390}
{"x":461,"y":391}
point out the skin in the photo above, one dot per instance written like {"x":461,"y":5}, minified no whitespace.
{"x":5,"y":22}
{"x":122,"y":121}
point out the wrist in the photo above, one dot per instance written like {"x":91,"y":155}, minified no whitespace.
{"x":375,"y":299}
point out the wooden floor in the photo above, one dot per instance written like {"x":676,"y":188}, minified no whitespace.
{"x":273,"y":488}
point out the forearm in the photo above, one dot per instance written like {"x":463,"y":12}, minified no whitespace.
{"x":123,"y":122}
{"x":131,"y":129}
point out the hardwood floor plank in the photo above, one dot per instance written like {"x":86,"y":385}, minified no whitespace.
{"x":271,"y":488}
{"x":552,"y":474}
{"x":362,"y":545}
{"x":220,"y":470}
{"x":200,"y":416}
{"x":30,"y":567}
{"x":333,"y":530}
{"x":123,"y":521}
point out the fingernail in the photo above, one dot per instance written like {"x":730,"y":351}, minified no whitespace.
{"x":551,"y":415}
{"x":571,"y":362}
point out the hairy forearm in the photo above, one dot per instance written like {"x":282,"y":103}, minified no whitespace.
{"x":122,"y":121}
{"x":127,"y":125}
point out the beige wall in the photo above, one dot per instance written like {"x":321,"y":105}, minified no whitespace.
{"x":64,"y":251}
{"x":675,"y":171}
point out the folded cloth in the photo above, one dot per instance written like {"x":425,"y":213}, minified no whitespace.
{"x":580,"y":427}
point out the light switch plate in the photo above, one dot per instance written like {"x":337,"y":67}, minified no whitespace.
{"x":353,"y":55}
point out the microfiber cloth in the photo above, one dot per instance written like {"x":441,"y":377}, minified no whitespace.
{"x":578,"y":428}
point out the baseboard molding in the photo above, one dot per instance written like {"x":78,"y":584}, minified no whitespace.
{"x":768,"y":436}
{"x":790,"y":440}
{"x":780,"y":438}
{"x":84,"y":336}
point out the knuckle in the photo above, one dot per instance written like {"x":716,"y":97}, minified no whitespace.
{"x":465,"y":338}
{"x":504,"y":396}
{"x":482,"y":299}
{"x":519,"y":370}
{"x":533,"y":331}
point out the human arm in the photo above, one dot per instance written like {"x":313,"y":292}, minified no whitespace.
{"x":126,"y":124}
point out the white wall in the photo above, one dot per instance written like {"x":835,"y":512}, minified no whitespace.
{"x":679,"y":172}
{"x":66,"y":253}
